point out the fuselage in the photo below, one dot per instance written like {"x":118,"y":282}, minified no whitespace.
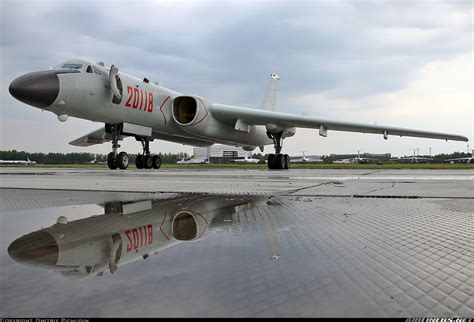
{"x":84,"y":91}
{"x":17,"y":162}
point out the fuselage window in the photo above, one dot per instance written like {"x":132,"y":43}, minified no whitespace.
{"x":89,"y":69}
{"x":96,"y":70}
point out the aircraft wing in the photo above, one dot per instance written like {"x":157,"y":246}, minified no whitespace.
{"x":233,"y":114}
{"x":97,"y":137}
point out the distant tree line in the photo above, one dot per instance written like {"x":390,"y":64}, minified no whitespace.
{"x":166,"y":158}
{"x":78,"y":158}
{"x":455,"y":155}
{"x":386,"y":157}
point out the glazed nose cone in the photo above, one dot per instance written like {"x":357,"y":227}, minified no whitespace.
{"x":38,"y":89}
{"x":36,"y":249}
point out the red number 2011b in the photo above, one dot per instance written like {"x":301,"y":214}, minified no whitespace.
{"x":139,"y":99}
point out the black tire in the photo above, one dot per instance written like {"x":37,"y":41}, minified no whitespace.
{"x":280,"y":161}
{"x":147,"y":162}
{"x":156,"y":161}
{"x":122,"y":160}
{"x":287,"y":161}
{"x":139,"y":161}
{"x":271,"y":161}
{"x":112,"y":161}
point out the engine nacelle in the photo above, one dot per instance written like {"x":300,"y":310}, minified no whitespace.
{"x":190,"y":110}
{"x":189,"y":226}
{"x":193,"y":114}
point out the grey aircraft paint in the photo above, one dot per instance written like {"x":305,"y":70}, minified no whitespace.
{"x":130,"y":106}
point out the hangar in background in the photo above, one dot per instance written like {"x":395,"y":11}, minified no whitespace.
{"x":219,"y":154}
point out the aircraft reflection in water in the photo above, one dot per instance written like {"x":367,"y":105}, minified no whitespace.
{"x":127,"y":232}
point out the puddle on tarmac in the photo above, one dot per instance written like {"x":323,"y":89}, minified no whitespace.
{"x":122,"y":257}
{"x":122,"y":232}
{"x":176,"y":255}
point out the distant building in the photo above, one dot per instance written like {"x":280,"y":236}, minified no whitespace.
{"x":219,"y":154}
{"x":378,"y":156}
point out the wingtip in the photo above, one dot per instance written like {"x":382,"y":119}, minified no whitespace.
{"x":461,"y":138}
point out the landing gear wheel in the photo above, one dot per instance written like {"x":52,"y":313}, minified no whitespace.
{"x":122,"y":160}
{"x":156,"y":161}
{"x":139,"y":161}
{"x":271,"y":161}
{"x":280,"y":161}
{"x":112,"y":161}
{"x":277,"y":160}
{"x":146,"y":159}
{"x":147,"y":162}
{"x":287,"y":161}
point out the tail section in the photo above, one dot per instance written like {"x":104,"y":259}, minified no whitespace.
{"x":269,"y":101}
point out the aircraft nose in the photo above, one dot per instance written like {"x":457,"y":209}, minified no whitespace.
{"x":38,"y":89}
{"x":36,"y":249}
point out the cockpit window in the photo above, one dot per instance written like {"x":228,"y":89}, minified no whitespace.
{"x":72,"y":66}
{"x":89,"y":69}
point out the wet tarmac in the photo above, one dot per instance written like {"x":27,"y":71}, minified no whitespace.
{"x":302,"y":243}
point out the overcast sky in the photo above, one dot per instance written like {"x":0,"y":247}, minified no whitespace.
{"x":401,"y":63}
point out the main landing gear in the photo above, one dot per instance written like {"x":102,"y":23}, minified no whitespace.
{"x":120,"y":160}
{"x":146,"y":160}
{"x":278,"y":160}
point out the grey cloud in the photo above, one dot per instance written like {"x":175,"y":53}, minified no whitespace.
{"x":316,"y":46}
{"x":226,"y":50}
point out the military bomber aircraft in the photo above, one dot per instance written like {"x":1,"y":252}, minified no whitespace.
{"x":130,"y":106}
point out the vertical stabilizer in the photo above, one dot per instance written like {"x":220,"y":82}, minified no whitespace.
{"x":269,"y":101}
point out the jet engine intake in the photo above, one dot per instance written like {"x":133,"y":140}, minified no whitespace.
{"x":188,"y":226}
{"x":189,"y":110}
